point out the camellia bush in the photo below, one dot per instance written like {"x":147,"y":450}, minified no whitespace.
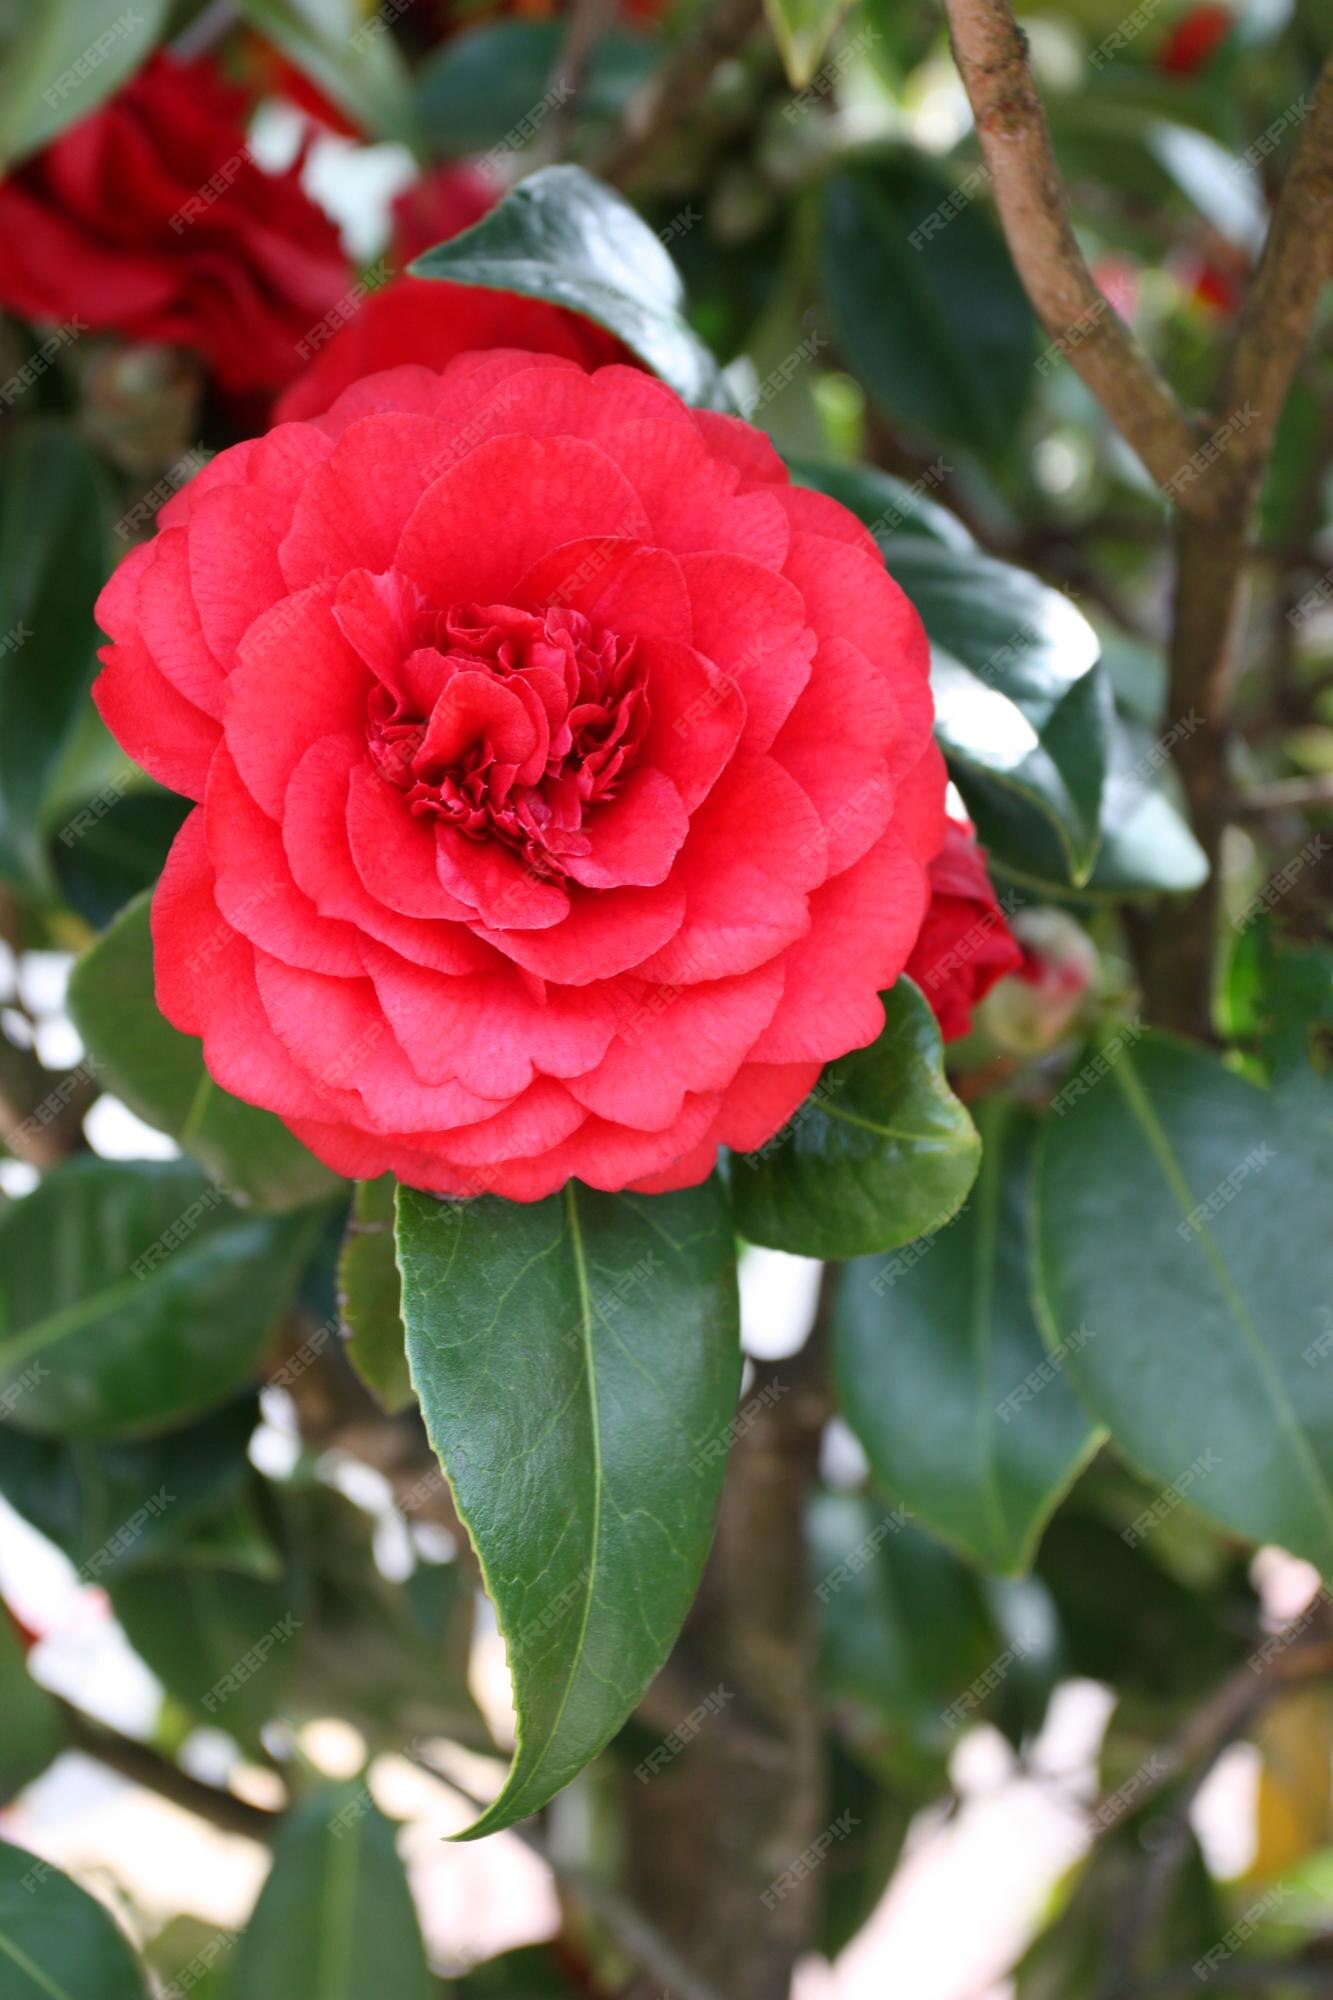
{"x":742,"y":672}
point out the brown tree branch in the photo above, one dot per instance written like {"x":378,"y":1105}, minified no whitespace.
{"x":142,"y":1765}
{"x":991,"y":52}
{"x":1275,"y":320}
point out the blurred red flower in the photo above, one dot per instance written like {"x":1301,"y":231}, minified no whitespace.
{"x":965,"y":943}
{"x":151,"y":219}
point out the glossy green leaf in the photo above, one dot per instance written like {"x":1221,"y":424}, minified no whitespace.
{"x":370,"y":1296}
{"x":132,"y":1294}
{"x":493,"y":80}
{"x":564,"y":237}
{"x":577,"y":1362}
{"x":886,"y":505}
{"x":803,"y":30}
{"x":56,"y":1942}
{"x":350,"y":52}
{"x":943,"y":1376}
{"x":160,"y":1074}
{"x":1183,"y":1213}
{"x":925,"y":302}
{"x":880,"y":1152}
{"x":53,"y":532}
{"x":1022,"y":709}
{"x":62,"y":58}
{"x":335,"y":1919}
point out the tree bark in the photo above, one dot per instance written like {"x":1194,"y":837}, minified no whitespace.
{"x":711,"y":1833}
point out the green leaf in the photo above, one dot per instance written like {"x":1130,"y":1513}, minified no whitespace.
{"x":905,"y":1628}
{"x":564,"y":237}
{"x":82,"y":1496}
{"x":1023,"y":711}
{"x":927,"y":311}
{"x":223,"y":1643}
{"x":881,"y":1151}
{"x":1182,"y":1212}
{"x":32,"y":1733}
{"x":887,"y":506}
{"x":577,"y":1362}
{"x":350,"y":53}
{"x":803,"y":30}
{"x":370,"y":1296}
{"x":335,"y":1919}
{"x":160,"y":1074}
{"x":132,"y":1295}
{"x":65,"y":58}
{"x":493,"y":80}
{"x":943,"y":1376}
{"x":56,"y":1942}
{"x":53,"y":532}
{"x":112,"y":845}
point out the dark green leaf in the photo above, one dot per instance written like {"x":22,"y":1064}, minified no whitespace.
{"x":370,"y":1296}
{"x":905,"y":1626}
{"x":335,"y":1919}
{"x":160,"y":1074}
{"x":925,"y":302}
{"x":577,"y":1363}
{"x":564,"y":237}
{"x":56,"y":1943}
{"x":32,"y":1735}
{"x":1182,"y":1213}
{"x":943,"y":1376}
{"x":493,"y":80}
{"x":53,"y":533}
{"x":132,"y":1294}
{"x":881,"y":1151}
{"x":224,"y":1644}
{"x":112,"y":846}
{"x":1023,"y":711}
{"x":80,"y":1495}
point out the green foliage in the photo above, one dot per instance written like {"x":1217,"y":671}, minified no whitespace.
{"x":591,"y":1506}
{"x":55,"y":1941}
{"x":563,"y":237}
{"x":882,"y":1150}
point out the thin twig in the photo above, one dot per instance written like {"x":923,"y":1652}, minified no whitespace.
{"x":143,"y":1766}
{"x":654,"y":115}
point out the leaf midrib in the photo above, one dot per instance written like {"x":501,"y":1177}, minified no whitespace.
{"x":34,"y":1972}
{"x":1141,"y":1108}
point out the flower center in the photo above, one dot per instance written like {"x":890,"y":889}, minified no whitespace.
{"x":511,"y":725}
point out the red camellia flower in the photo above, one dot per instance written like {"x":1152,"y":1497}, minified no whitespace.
{"x":420,"y":321}
{"x":565,"y":775}
{"x":965,"y":944}
{"x":151,"y":219}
